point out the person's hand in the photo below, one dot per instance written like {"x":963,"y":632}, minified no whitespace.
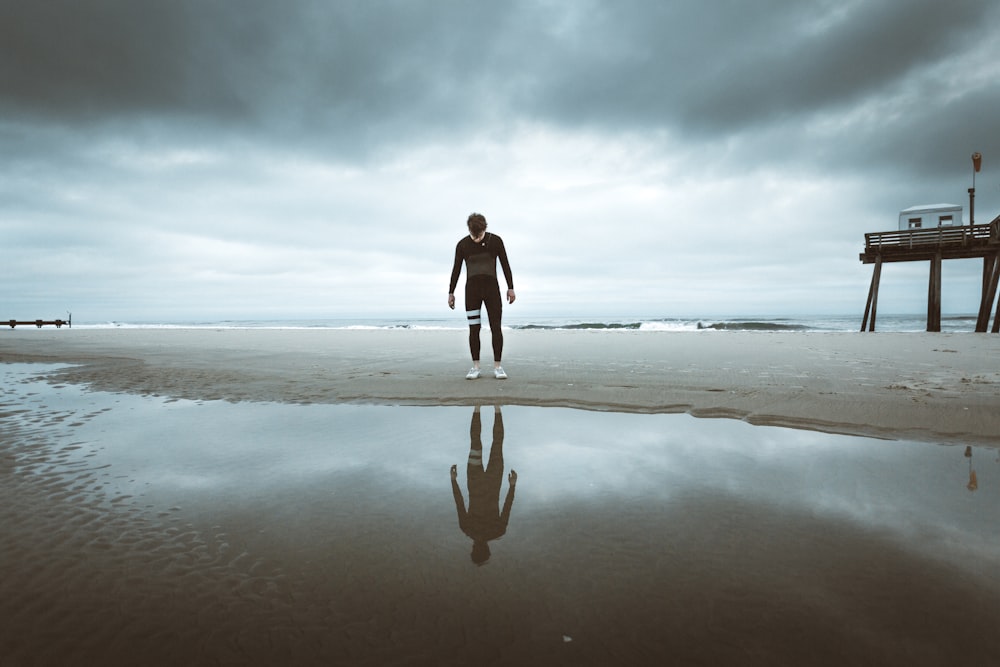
{"x":512,"y":477}
{"x":451,"y":301}
{"x":454,"y":472}
{"x":511,"y":296}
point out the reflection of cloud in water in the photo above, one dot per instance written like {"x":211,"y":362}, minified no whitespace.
{"x":904,"y":488}
{"x":564,"y":457}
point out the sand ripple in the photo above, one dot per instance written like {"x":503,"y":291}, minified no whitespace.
{"x":96,"y":578}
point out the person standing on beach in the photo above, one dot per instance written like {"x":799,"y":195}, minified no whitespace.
{"x":480,"y":251}
{"x":484,"y":521}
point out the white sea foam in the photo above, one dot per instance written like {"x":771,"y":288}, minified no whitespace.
{"x":893,"y":323}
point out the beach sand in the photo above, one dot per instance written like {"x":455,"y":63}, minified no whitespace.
{"x":933,"y":387}
{"x":194,"y":497}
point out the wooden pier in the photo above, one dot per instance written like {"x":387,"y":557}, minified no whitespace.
{"x":935,"y":245}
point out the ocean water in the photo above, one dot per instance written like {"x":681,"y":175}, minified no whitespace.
{"x":708,"y":324}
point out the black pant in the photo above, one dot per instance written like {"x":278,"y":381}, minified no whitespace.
{"x":480,"y":290}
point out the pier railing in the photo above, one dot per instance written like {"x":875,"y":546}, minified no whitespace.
{"x":906,"y":245}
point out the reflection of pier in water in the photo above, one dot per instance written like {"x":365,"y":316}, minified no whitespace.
{"x":934,"y":245}
{"x":973,"y":484}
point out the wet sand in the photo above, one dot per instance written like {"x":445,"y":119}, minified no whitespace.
{"x":916,"y":386}
{"x":220,"y":497}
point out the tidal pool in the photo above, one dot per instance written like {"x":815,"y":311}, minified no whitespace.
{"x":146,"y":531}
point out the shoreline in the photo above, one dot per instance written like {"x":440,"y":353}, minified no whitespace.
{"x":915,"y":386}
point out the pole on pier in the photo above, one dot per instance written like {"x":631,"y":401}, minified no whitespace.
{"x":977,"y":163}
{"x":872,"y":305}
{"x":934,"y":295}
{"x":996,"y":318}
{"x":991,"y":277}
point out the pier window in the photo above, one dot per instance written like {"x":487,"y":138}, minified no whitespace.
{"x":945,"y":220}
{"x":916,"y":223}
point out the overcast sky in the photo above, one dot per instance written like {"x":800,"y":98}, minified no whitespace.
{"x":210,"y":159}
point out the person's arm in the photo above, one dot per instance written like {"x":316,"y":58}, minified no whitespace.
{"x":508,"y":502}
{"x":459,"y":500}
{"x":505,"y":265}
{"x":456,"y":270}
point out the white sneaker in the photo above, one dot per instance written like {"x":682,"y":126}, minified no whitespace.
{"x":499,"y":373}
{"x":472,"y":374}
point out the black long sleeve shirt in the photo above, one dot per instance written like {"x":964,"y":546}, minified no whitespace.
{"x":480,"y":260}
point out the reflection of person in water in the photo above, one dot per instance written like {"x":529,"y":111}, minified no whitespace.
{"x":483,"y":521}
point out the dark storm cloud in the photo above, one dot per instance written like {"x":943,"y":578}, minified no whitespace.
{"x":279,"y":67}
{"x":386,"y":71}
{"x":753,"y":66}
{"x":712,"y":70}
{"x":70,"y":61}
